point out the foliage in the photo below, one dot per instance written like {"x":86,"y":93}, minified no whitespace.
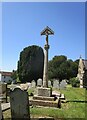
{"x":30,"y":64}
{"x":14,"y":75}
{"x":74,"y":82}
{"x":61,"y":68}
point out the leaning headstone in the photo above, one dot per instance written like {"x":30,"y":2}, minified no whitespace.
{"x":39,"y":82}
{"x":56,"y":84}
{"x":33,"y":84}
{"x":49,"y":83}
{"x":1,"y":116}
{"x":63,"y":84}
{"x":19,"y":103}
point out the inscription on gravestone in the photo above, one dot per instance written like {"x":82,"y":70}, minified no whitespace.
{"x":19,"y":103}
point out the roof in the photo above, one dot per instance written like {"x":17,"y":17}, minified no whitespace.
{"x":47,"y":31}
{"x":6,"y":73}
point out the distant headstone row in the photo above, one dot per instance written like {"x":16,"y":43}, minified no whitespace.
{"x":33,"y":84}
{"x":26,"y":86}
{"x":62,"y":84}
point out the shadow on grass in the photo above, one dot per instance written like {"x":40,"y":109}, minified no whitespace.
{"x":79,"y":101}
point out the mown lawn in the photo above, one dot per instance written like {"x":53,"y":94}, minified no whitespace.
{"x":75,"y":107}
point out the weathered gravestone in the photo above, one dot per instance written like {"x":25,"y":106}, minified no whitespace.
{"x":63,"y":84}
{"x":49,"y":83}
{"x":19,"y":103}
{"x":1,"y":116}
{"x":33,"y":83}
{"x":3,"y":92}
{"x":39,"y":82}
{"x":56,"y":84}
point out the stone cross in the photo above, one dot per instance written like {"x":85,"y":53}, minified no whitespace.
{"x":47,"y":31}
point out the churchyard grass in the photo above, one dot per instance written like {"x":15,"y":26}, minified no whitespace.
{"x":74,"y":107}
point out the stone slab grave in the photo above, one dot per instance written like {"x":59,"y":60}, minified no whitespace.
{"x":5,"y":106}
{"x":29,"y":85}
{"x":19,"y":103}
{"x":39,"y":82}
{"x":13,"y":86}
{"x":3,"y":92}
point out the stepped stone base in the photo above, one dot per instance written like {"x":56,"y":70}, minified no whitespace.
{"x":43,"y":98}
{"x":41,"y":91}
{"x":62,"y":97}
{"x":56,"y":103}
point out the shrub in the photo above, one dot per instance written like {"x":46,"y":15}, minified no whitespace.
{"x":75,"y":82}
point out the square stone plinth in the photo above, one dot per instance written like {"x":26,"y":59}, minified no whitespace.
{"x":41,"y":91}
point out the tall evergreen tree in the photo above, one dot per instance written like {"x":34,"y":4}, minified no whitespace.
{"x":30,"y":64}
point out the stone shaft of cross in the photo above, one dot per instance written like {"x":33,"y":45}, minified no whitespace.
{"x":45,"y":74}
{"x":47,"y":31}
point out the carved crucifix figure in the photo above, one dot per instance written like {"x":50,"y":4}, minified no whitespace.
{"x":47,"y":39}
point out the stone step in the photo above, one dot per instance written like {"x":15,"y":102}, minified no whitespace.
{"x":56,"y":103}
{"x":35,"y":97}
{"x":62,"y":97}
